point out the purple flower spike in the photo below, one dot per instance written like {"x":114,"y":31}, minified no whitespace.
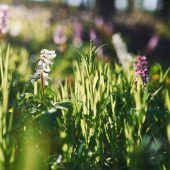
{"x":77,"y":38}
{"x":59,"y":36}
{"x":92,"y":34}
{"x":141,"y":69}
{"x":78,"y":30}
{"x":4,"y":15}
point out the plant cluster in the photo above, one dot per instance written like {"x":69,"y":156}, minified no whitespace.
{"x":104,"y":116}
{"x":103,"y":119}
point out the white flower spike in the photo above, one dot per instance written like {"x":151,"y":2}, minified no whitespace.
{"x":43,"y":67}
{"x":124,"y":57}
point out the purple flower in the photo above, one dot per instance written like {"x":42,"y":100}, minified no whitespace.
{"x":94,"y":37}
{"x":78,"y":30}
{"x":4,"y":15}
{"x":141,"y":69}
{"x":92,"y":34}
{"x":77,"y":38}
{"x":96,"y":41}
{"x":59,"y":36}
{"x":153,"y":42}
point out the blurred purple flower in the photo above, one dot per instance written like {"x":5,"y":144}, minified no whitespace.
{"x":153,"y":42}
{"x":78,"y":30}
{"x":77,"y":37}
{"x":4,"y":15}
{"x":96,"y":41}
{"x":141,"y":69}
{"x":59,"y":36}
{"x":94,"y":37}
{"x":92,"y":34}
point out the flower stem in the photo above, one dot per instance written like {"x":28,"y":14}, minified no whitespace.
{"x":42,"y":83}
{"x":35,"y":88}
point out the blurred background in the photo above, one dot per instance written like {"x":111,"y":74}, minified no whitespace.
{"x":64,"y":24}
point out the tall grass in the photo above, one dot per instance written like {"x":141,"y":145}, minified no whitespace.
{"x":112,"y":118}
{"x":6,"y":149}
{"x":101,"y":119}
{"x":11,"y":69}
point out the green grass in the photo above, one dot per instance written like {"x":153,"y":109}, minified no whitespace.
{"x":101,"y":119}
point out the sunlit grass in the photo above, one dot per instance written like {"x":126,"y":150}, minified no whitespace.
{"x":100,"y":119}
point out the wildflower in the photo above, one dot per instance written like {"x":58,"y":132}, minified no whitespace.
{"x":59,"y":36}
{"x":77,"y":39}
{"x":4,"y":15}
{"x":124,"y":57}
{"x":96,"y":41}
{"x":153,"y":43}
{"x":59,"y":159}
{"x":92,"y":34}
{"x":141,"y":69}
{"x":43,"y":67}
{"x":94,"y":37}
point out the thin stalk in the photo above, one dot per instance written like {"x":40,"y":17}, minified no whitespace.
{"x":42,"y":84}
{"x":35,"y":88}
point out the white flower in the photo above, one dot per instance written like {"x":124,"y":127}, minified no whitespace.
{"x":48,"y":54}
{"x":124,"y":57}
{"x":47,"y":70}
{"x":43,"y":67}
{"x":35,"y":77}
{"x":47,"y":61}
{"x":59,"y":159}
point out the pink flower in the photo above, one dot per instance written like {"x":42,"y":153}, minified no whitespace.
{"x":4,"y":15}
{"x":59,"y":36}
{"x":77,"y":37}
{"x":141,"y":69}
{"x":153,"y":42}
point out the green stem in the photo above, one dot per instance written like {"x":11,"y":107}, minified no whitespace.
{"x":35,"y":88}
{"x":42,"y":83}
